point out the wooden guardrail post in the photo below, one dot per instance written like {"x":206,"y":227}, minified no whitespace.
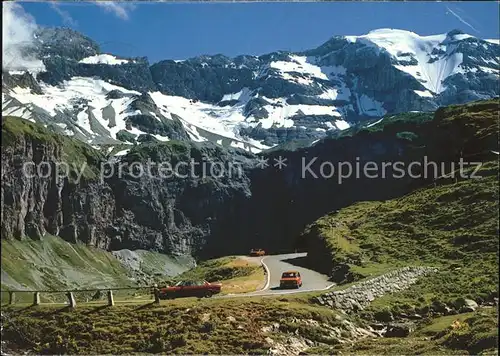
{"x":36,"y":298}
{"x":111,"y":301}
{"x":71,"y":300}
{"x":12,"y":297}
{"x":156,"y":293}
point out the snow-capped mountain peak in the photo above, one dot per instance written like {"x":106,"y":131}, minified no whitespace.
{"x":429,"y":59}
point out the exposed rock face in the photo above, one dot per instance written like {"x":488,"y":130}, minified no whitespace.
{"x":359,"y":296}
{"x":63,"y":42}
{"x":24,"y":80}
{"x":32,"y":203}
{"x":205,"y":78}
{"x":133,"y":74}
{"x":62,"y":49}
{"x":177,"y":214}
{"x":170,"y":215}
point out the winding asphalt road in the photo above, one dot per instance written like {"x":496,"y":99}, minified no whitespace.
{"x":275,"y":265}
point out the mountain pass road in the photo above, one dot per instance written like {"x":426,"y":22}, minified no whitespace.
{"x":275,"y":265}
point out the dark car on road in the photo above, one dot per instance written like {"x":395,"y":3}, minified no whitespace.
{"x":190,"y":289}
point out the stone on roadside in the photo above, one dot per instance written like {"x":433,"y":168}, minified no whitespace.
{"x":399,"y":330}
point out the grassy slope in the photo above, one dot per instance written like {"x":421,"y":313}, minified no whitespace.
{"x":230,"y":326}
{"x":54,"y":264}
{"x":451,"y":224}
{"x":453,"y":227}
{"x":237,"y":275}
{"x":469,"y":333}
{"x":184,"y":326}
{"x":415,"y":118}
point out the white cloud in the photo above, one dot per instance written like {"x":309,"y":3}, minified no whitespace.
{"x":459,"y":18}
{"x":65,"y":15}
{"x":119,"y":9}
{"x":18,"y":35}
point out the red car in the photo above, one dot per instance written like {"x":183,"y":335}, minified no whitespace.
{"x":291,"y":279}
{"x":257,"y":252}
{"x":190,"y":289}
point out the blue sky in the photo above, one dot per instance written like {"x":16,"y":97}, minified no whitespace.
{"x":183,"y":30}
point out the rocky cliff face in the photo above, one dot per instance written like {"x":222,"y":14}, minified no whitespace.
{"x":219,"y":213}
{"x":170,"y":215}
{"x":34,"y":201}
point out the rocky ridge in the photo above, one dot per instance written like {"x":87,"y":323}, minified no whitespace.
{"x":252,"y":102}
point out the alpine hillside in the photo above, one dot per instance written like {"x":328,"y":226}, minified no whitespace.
{"x":419,"y":256}
{"x":340,"y":198}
